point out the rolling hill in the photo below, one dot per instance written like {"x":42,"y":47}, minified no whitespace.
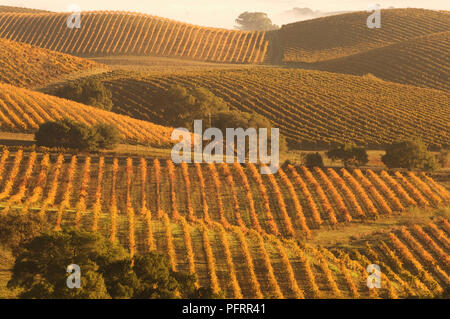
{"x":22,"y":111}
{"x":342,"y":35}
{"x":138,"y":34}
{"x":28,"y":66}
{"x":422,"y":62}
{"x":309,"y":107}
{"x":130,"y":33}
{"x":299,"y":233}
{"x":20,"y":9}
{"x":238,"y":231}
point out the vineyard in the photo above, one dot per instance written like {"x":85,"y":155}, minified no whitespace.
{"x":38,"y":67}
{"x":129,"y":33}
{"x":299,"y":233}
{"x":19,"y":9}
{"x":22,"y":110}
{"x":347,"y":34}
{"x":431,"y":66}
{"x":316,"y":107}
{"x":236,"y":229}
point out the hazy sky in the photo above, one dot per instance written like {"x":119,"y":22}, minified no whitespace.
{"x":221,"y":13}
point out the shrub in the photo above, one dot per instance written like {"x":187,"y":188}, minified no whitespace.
{"x":107,"y":270}
{"x":66,"y":133}
{"x":313,"y":160}
{"x":17,"y":228}
{"x":443,"y":158}
{"x":107,"y":136}
{"x":180,"y":107}
{"x":90,"y":91}
{"x":349,"y":154}
{"x":409,"y":154}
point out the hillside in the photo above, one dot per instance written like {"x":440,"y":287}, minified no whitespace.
{"x":421,"y":62}
{"x":309,"y":107}
{"x":22,"y":111}
{"x":130,"y":33}
{"x":347,"y":34}
{"x":235,"y":229}
{"x":20,"y":9}
{"x":28,"y":66}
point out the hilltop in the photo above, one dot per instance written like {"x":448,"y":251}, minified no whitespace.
{"x":316,"y":108}
{"x":24,"y":65}
{"x":20,"y":9}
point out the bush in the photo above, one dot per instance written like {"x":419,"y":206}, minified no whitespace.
{"x":66,"y":133}
{"x":107,"y":136}
{"x":107,"y":271}
{"x":443,"y":158}
{"x":410,"y":154}
{"x":90,"y":91}
{"x":180,"y":107}
{"x":349,"y":154}
{"x":17,"y":228}
{"x":313,"y":160}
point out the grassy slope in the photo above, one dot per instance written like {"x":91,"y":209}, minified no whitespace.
{"x":19,"y":9}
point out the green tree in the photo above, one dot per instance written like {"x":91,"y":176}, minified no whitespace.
{"x":409,"y":154}
{"x":107,"y":136}
{"x":40,"y":269}
{"x":90,"y":91}
{"x":70,"y":134}
{"x":180,"y":107}
{"x":106,"y":270}
{"x":17,"y":228}
{"x":255,"y":21}
{"x":350,"y":154}
{"x":312,"y":160}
